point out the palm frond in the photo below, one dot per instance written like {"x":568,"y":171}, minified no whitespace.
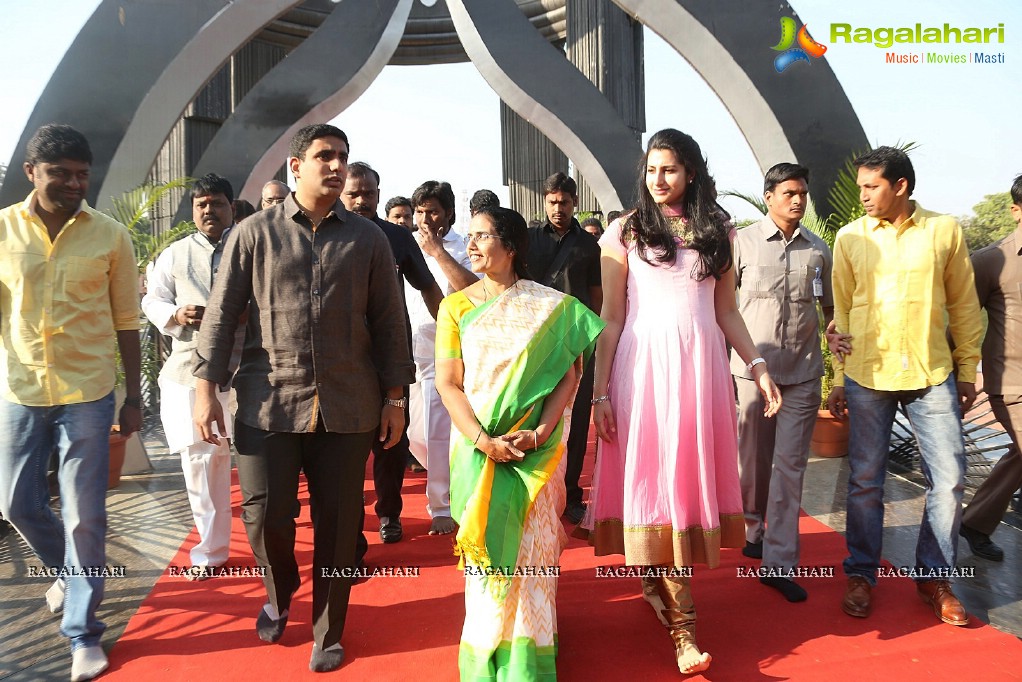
{"x":135,"y":210}
{"x":755,"y":201}
{"x":135,"y":207}
{"x":149,"y":246}
{"x":844,"y":194}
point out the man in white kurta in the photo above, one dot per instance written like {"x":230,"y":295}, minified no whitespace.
{"x":429,"y":427}
{"x":178,"y":287}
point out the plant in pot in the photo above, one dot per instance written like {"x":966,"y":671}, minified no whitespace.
{"x":138,"y":210}
{"x":830,"y":434}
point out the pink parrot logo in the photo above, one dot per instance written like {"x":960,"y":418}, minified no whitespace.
{"x":807,"y":47}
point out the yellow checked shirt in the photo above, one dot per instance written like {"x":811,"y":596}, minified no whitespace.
{"x":61,"y":303}
{"x":897,"y":291}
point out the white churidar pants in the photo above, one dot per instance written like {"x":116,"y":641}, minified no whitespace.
{"x":206,"y":468}
{"x":429,"y":437}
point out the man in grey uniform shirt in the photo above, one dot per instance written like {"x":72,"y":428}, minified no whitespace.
{"x":782,"y":269}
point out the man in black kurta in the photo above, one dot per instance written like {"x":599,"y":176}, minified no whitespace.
{"x":565,"y":257}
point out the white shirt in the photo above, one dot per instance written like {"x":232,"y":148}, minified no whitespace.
{"x":423,"y":324}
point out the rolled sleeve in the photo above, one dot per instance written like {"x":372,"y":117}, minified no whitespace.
{"x":842,"y":284}
{"x":124,"y":301}
{"x":964,"y":318}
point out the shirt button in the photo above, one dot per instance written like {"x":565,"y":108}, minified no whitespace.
{"x":315,"y":292}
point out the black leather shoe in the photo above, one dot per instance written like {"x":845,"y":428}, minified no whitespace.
{"x":753,"y":550}
{"x":390,"y":529}
{"x":270,"y":630}
{"x":574,"y":512}
{"x":981,"y":544}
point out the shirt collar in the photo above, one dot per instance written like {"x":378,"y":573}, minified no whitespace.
{"x":28,"y":207}
{"x":549,"y":228}
{"x":223,"y":236}
{"x":914,"y":218}
{"x":769,"y":229}
{"x":292,"y":209}
{"x":1017,"y":236}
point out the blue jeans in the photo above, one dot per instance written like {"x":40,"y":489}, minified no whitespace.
{"x":80,"y":434}
{"x":936,"y":421}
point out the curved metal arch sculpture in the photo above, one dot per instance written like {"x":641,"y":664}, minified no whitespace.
{"x":253,"y":141}
{"x":178,"y":84}
{"x":543,"y":87}
{"x":105,"y":76}
{"x":808,"y":119}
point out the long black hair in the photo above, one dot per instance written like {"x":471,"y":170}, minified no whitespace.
{"x":708,"y":223}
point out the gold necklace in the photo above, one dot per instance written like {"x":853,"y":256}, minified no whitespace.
{"x":487,"y":291}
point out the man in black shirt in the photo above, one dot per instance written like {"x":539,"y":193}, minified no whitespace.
{"x":565,"y":257}
{"x":361,"y":195}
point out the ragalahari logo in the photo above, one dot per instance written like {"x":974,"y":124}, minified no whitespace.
{"x":807,"y":47}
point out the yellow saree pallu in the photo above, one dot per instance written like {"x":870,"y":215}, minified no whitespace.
{"x":516,"y":348}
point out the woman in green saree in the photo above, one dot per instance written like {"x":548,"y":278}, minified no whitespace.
{"x":509,"y":357}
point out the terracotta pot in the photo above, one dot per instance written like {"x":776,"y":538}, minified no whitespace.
{"x":830,"y":436}
{"x":118,"y":443}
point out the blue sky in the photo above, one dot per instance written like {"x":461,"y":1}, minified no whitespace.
{"x":442,"y":121}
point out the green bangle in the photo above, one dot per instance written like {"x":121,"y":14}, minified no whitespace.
{"x":478,"y":435}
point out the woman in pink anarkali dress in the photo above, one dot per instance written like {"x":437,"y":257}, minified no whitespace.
{"x":665,"y":489}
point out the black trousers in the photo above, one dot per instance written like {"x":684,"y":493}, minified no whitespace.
{"x":578,"y":434}
{"x":388,"y":477}
{"x":334,"y":463}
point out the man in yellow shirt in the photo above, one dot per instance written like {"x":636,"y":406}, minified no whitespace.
{"x":901,"y":278}
{"x":68,"y":288}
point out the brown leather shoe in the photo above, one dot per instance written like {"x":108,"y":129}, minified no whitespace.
{"x":937,"y":593}
{"x":857,"y":601}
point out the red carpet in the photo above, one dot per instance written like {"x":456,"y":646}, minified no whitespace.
{"x":408,"y":628}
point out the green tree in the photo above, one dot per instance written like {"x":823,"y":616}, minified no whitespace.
{"x":992,"y":220}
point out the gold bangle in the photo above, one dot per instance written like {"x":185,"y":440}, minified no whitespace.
{"x":535,"y":440}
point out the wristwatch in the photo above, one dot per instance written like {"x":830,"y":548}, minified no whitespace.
{"x":134,"y":402}
{"x":395,"y":402}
